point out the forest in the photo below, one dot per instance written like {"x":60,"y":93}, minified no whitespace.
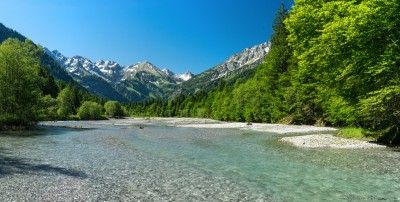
{"x":29,"y":93}
{"x":332,"y":63}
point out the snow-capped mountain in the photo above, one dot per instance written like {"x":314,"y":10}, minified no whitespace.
{"x":110,"y":70}
{"x":183,"y":77}
{"x":143,"y":80}
{"x":124,"y":79}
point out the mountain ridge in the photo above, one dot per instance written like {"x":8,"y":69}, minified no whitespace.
{"x":144,"y":80}
{"x":104,"y":67}
{"x":46,"y":61}
{"x":135,"y":82}
{"x":231,"y":68}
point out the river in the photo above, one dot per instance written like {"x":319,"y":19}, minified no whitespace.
{"x":122,"y":161}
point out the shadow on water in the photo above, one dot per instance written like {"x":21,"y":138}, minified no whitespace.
{"x":41,"y":131}
{"x":10,"y":165}
{"x":395,"y":148}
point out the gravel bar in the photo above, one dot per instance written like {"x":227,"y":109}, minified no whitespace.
{"x":328,"y":140}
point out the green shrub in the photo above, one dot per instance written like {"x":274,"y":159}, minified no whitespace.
{"x":90,"y":111}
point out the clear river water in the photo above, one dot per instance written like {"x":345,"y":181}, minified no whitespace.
{"x":119,"y":161}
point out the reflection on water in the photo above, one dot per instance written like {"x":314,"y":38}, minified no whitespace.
{"x":255,"y":161}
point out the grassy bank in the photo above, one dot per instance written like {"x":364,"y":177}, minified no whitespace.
{"x":355,"y":133}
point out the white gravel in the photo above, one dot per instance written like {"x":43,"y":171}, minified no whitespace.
{"x":327,"y":140}
{"x":305,"y":141}
{"x":261,"y":127}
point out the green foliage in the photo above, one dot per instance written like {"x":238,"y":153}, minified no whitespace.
{"x":33,"y":86}
{"x":340,"y":112}
{"x":347,"y":56}
{"x":340,"y":46}
{"x":48,"y":108}
{"x":90,"y":111}
{"x":46,"y":61}
{"x":29,"y":93}
{"x":354,"y":133}
{"x":6,"y":33}
{"x":381,"y":112}
{"x":66,"y":102}
{"x":19,"y":79}
{"x":113,"y":109}
{"x":100,"y":87}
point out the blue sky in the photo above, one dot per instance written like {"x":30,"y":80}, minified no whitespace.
{"x":182,"y":35}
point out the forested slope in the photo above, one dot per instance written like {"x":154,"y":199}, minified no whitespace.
{"x":46,"y":61}
{"x":34,"y":87}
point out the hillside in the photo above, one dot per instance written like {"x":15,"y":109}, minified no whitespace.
{"x":229,"y":70}
{"x":108,"y":79}
{"x":55,"y":69}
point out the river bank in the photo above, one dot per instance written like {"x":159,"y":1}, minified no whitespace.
{"x":304,"y":141}
{"x":314,"y":136}
{"x":153,"y":160}
{"x":328,"y":140}
{"x":260,"y":127}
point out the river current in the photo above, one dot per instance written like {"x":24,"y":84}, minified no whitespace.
{"x":121,"y":161}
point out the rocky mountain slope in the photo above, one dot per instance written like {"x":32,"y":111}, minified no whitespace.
{"x":122,"y":83}
{"x":240,"y":63}
{"x":144,"y":80}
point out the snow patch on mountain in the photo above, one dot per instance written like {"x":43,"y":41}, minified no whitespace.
{"x":184,"y":77}
{"x":112,"y":72}
{"x":249,"y":57}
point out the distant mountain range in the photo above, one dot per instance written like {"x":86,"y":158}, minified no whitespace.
{"x":143,"y":80}
{"x":108,"y":79}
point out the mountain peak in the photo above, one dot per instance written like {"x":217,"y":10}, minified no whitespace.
{"x":168,"y":72}
{"x":184,"y":77}
{"x":147,"y":66}
{"x":57,"y":56}
{"x":107,"y":64}
{"x":248,"y":58}
{"x":144,"y":80}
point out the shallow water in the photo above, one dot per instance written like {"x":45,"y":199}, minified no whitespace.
{"x":117,"y":161}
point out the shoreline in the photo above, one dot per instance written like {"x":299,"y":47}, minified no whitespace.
{"x":313,"y":136}
{"x":328,"y":141}
{"x":308,"y":136}
{"x":260,"y":127}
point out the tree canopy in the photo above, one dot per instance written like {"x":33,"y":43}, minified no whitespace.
{"x":19,"y":81}
{"x":29,"y":93}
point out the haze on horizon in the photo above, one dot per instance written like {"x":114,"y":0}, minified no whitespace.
{"x":175,"y":34}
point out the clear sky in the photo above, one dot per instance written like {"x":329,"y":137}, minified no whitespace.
{"x":182,"y":35}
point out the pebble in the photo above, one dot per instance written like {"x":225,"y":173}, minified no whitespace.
{"x":328,"y":140}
